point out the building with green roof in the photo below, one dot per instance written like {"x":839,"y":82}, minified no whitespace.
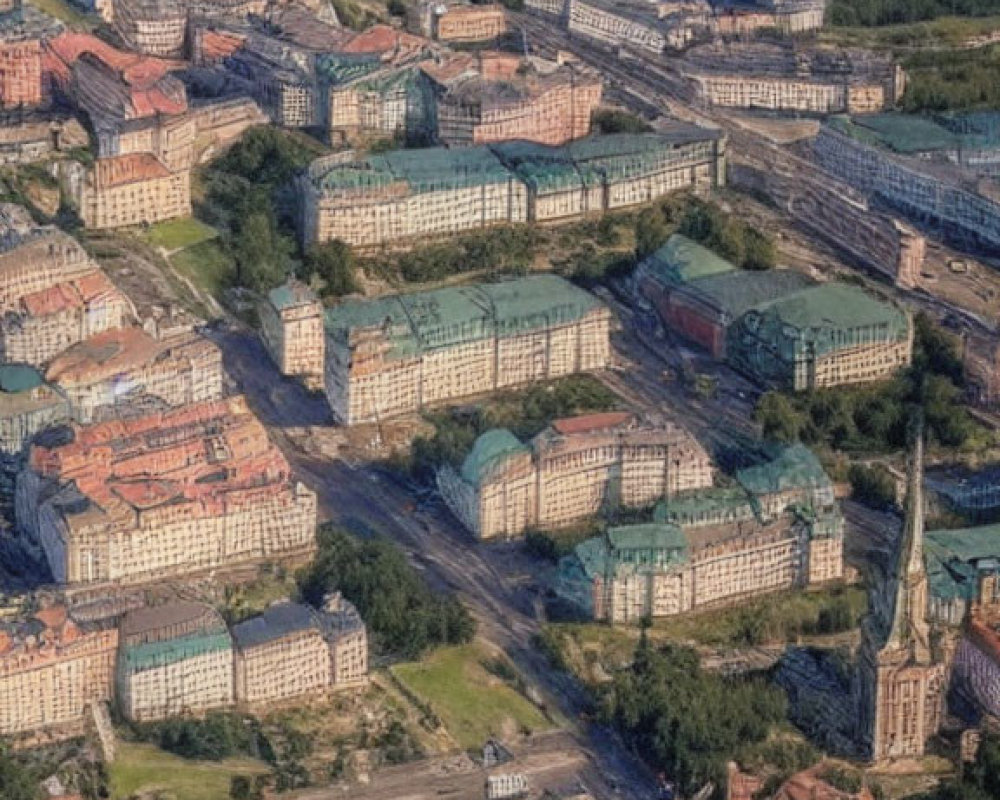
{"x":406,"y":194}
{"x":28,"y":405}
{"x":956,"y":561}
{"x":704,"y":548}
{"x":400,"y":353}
{"x":172,"y":659}
{"x":825,"y":335}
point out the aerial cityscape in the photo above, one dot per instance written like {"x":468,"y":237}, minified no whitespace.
{"x":515,"y":400}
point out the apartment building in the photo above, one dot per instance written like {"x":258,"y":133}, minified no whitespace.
{"x":127,"y":366}
{"x":52,"y":294}
{"x":51,"y":669}
{"x":404,"y":195}
{"x":134,"y":189}
{"x":570,"y":472}
{"x":721,"y":547}
{"x":292,"y":650}
{"x":183,"y":491}
{"x":27,"y":405}
{"x":173,"y":659}
{"x":399,"y":354}
{"x":153,"y":27}
{"x":22,"y":29}
{"x":792,"y":77}
{"x":470,"y":23}
{"x":495,"y":97}
{"x":291,"y":325}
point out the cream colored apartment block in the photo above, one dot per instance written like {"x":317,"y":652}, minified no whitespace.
{"x":187,"y":490}
{"x":291,"y":320}
{"x":49,"y":677}
{"x":388,"y":357}
{"x":133,"y":189}
{"x":292,"y":666}
{"x":153,"y":27}
{"x":111,"y":369}
{"x":570,"y":472}
{"x":856,"y":365}
{"x":193,"y":685}
{"x":784,"y":94}
{"x":474,"y":23}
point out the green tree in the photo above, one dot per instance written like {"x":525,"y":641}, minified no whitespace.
{"x":651,"y":231}
{"x":872,"y":486}
{"x":778,"y":417}
{"x":614,"y":120}
{"x":261,"y":253}
{"x":17,"y":782}
{"x":404,"y":617}
{"x":759,"y":250}
{"x":333,"y":262}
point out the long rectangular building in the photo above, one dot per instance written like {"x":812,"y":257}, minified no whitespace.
{"x":398,"y":354}
{"x":778,"y":530}
{"x":570,"y":472}
{"x":405,"y":195}
{"x":189,"y":490}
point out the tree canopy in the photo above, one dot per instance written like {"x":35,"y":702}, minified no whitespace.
{"x":685,"y":722}
{"x":404,"y":617}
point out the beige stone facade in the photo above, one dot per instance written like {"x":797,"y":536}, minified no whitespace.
{"x":52,"y":294}
{"x":291,"y":320}
{"x":475,"y":23}
{"x":405,"y":195}
{"x":51,"y":670}
{"x":292,"y":650}
{"x":184,"y":491}
{"x":902,"y":674}
{"x":399,"y":354}
{"x":27,"y":406}
{"x":122,"y":366}
{"x":501,"y":97}
{"x":133,"y":189}
{"x":155,"y":27}
{"x":173,"y":659}
{"x":570,"y":472}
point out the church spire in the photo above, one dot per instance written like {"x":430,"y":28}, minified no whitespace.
{"x":909,"y":621}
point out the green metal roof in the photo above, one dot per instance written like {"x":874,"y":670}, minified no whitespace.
{"x":490,"y":449}
{"x":289,"y":295}
{"x":422,"y":170}
{"x":151,"y":655}
{"x":795,"y":467}
{"x":682,"y":260}
{"x":734,"y":293}
{"x":954,"y":557}
{"x":648,"y":536}
{"x":837,"y":307}
{"x":15,"y":378}
{"x":913,"y":133}
{"x":440,"y":318}
{"x":688,"y":508}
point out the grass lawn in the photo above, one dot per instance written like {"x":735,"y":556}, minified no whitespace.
{"x":206,"y":264}
{"x":66,"y":12}
{"x":143,"y":767}
{"x":175,"y":234}
{"x":946,"y":31}
{"x":472,"y":703}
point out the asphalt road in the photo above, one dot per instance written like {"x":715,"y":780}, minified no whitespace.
{"x":366,"y":500}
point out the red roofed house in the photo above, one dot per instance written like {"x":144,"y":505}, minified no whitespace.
{"x":190,"y":490}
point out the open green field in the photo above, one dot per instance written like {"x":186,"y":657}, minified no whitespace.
{"x":206,"y":264}
{"x":176,"y":234}
{"x":472,"y":702}
{"x":143,"y":767}
{"x":66,"y":12}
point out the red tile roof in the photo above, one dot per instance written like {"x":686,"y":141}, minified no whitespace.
{"x":384,"y":39}
{"x":591,"y":422}
{"x":75,"y":293}
{"x":119,"y":170}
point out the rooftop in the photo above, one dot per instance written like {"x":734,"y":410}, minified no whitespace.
{"x":17,"y":378}
{"x":279,"y":620}
{"x":835,"y":307}
{"x":204,"y":455}
{"x":152,"y":618}
{"x":794,"y":467}
{"x":586,"y":423}
{"x":425,"y":321}
{"x":649,"y":536}
{"x":735,"y":293}
{"x":682,"y":260}
{"x":490,"y":449}
{"x":290,"y":295}
{"x":116,"y":354}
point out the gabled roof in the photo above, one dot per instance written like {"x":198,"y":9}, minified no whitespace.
{"x":278,"y":621}
{"x":795,"y":467}
{"x":682,"y":260}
